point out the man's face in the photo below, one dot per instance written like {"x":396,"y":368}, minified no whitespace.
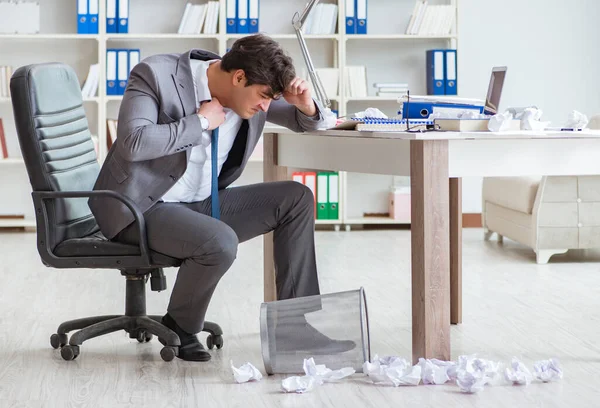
{"x":249,"y":100}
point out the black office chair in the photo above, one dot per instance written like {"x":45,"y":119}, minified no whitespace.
{"x":62,"y":167}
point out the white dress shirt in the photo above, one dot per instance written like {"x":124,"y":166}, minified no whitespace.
{"x":195,"y":184}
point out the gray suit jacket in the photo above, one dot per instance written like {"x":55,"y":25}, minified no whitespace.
{"x":157,"y":128}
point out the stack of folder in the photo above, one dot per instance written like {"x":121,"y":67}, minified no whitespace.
{"x":356,"y":16}
{"x":441,"y":72}
{"x":242,"y":16}
{"x":119,"y":63}
{"x":325,"y":189}
{"x":87,"y":16}
{"x":117,"y":16}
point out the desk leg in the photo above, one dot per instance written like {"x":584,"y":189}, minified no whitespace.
{"x":271,"y":172}
{"x":455,"y":250}
{"x":430,"y":246}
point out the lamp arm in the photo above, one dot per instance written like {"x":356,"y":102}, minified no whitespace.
{"x":298,"y":23}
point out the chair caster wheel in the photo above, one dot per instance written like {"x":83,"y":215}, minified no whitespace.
{"x":144,"y":337}
{"x":212,"y":341}
{"x":58,"y":340}
{"x":69,"y":352}
{"x":168,"y":353}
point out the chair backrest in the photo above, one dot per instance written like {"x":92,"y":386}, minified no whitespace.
{"x":56,"y":144}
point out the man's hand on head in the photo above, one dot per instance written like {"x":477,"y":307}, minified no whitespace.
{"x":298,"y":94}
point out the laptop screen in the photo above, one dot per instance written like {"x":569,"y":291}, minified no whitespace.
{"x":492,"y":99}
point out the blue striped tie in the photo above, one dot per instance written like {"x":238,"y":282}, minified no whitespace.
{"x":214,"y":158}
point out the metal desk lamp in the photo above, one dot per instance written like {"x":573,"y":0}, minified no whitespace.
{"x":298,"y":22}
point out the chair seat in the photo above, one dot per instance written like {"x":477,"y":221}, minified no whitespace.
{"x":96,"y":245}
{"x":515,"y":193}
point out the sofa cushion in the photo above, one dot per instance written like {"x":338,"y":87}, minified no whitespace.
{"x":516,"y":193}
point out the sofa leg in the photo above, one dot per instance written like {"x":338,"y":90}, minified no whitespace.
{"x":500,"y":238}
{"x":487,"y":234}
{"x":543,"y":255}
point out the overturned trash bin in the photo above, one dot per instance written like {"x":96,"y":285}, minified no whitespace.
{"x":332,"y":328}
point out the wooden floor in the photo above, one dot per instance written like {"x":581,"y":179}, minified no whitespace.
{"x":511,"y":307}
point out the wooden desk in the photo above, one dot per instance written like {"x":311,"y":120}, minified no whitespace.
{"x":435,"y":162}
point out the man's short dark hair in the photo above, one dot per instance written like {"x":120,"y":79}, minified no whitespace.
{"x":264,"y":62}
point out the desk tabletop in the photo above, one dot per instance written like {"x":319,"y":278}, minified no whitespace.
{"x":445,"y":135}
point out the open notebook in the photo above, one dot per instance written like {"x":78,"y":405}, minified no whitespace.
{"x":382,"y":125}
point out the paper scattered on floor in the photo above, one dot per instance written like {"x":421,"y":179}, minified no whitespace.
{"x":392,"y":371}
{"x":437,"y":372}
{"x":518,"y":373}
{"x":548,"y":370}
{"x":316,"y":374}
{"x":245,"y":373}
{"x":473,"y":373}
{"x":298,"y":384}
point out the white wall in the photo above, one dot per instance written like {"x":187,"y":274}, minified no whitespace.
{"x":551,"y":48}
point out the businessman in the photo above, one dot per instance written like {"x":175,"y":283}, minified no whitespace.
{"x":187,"y":125}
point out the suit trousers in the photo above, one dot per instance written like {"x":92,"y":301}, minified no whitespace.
{"x":208,"y":246}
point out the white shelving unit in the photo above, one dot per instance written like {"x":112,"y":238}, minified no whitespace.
{"x":388,"y":54}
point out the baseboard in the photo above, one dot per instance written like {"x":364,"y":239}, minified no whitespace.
{"x":472,"y":220}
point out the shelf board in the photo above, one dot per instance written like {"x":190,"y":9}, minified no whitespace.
{"x":49,"y":36}
{"x":12,"y":161}
{"x":113,"y":98}
{"x":328,"y":222}
{"x":398,"y":37}
{"x":160,"y":36}
{"x":16,"y":222}
{"x":291,"y":36}
{"x":375,"y":220}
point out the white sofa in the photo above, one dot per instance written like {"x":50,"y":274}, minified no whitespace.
{"x":550,"y":214}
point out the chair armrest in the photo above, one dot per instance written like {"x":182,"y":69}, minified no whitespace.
{"x":40,"y":196}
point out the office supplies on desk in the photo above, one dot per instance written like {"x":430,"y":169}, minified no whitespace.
{"x":471,"y":125}
{"x":384,"y":125}
{"x":414,"y":107}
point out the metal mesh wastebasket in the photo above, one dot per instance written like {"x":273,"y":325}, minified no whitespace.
{"x":333,"y":328}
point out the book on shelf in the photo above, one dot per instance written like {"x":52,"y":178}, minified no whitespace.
{"x":3,"y":148}
{"x":391,"y":90}
{"x":428,"y":19}
{"x":90,"y":87}
{"x":6,"y":72}
{"x":200,"y":18}
{"x":322,"y":20}
{"x":111,"y":132}
{"x":330,"y":78}
{"x":87,"y":16}
{"x":356,"y":81}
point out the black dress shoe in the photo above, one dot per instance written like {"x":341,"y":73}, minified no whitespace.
{"x":191,"y":349}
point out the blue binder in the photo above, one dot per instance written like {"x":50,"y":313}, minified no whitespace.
{"x":231,"y":12}
{"x":122,"y":70}
{"x":435,"y":73}
{"x":111,"y":16}
{"x":253,"y":12}
{"x":82,"y":17}
{"x":242,"y":16}
{"x":111,"y":72}
{"x":451,"y":72}
{"x":123,"y":16}
{"x":422,"y":110}
{"x":361,"y":16}
{"x":350,"y":16}
{"x":93,"y":16}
